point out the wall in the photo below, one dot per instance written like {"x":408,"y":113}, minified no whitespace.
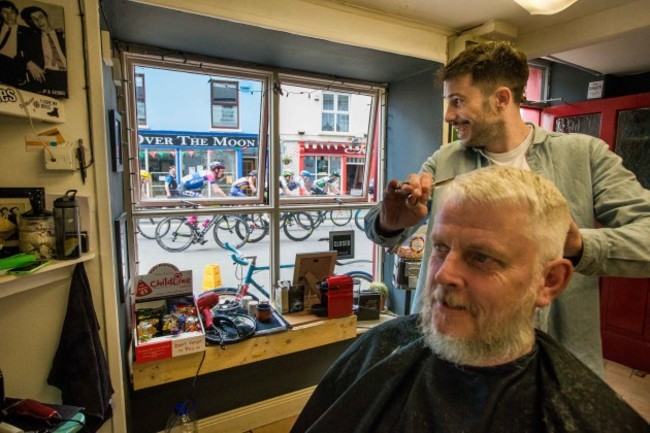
{"x":30,"y":322}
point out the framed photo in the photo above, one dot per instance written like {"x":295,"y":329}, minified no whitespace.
{"x":115,"y":128}
{"x":41,"y":39}
{"x":10,"y":211}
{"x":122,"y":259}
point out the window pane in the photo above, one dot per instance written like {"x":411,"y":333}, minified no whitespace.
{"x":328,"y":101}
{"x":342,"y":123}
{"x":343,"y":103}
{"x":328,"y":122}
{"x":328,"y":140}
{"x":176,"y":135}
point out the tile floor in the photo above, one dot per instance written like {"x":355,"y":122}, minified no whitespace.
{"x":632,"y":385}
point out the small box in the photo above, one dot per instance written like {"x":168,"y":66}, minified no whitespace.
{"x":405,"y":273}
{"x":158,"y":291}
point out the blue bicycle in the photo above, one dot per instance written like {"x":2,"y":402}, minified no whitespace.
{"x":361,"y":277}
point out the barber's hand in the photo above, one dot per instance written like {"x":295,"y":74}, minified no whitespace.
{"x":405,"y":203}
{"x":573,"y":245}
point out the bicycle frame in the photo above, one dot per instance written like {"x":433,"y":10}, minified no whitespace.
{"x":250,"y":261}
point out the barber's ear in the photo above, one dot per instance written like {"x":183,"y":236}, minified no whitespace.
{"x":555,"y":277}
{"x":503,"y":96}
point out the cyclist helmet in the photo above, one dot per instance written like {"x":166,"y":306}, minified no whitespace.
{"x":335,"y":174}
{"x":253,"y":173}
{"x":305,"y":173}
{"x":217,"y":165}
{"x":144,"y":174}
{"x":287,"y":172}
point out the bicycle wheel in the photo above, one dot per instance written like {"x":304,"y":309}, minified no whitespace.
{"x":340,"y":217}
{"x":362,"y":277}
{"x":225,"y":230}
{"x":318,"y":217}
{"x":147,"y":227}
{"x":256,"y":226}
{"x":298,"y":226}
{"x":174,"y":234}
{"x":359,"y":219}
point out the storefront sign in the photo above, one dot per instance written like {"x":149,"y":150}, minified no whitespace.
{"x":343,"y":243}
{"x":181,"y":139}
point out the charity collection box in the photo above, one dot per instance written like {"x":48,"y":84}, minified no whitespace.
{"x":167,"y":322}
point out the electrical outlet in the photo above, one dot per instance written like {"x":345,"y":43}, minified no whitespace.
{"x":59,"y":158}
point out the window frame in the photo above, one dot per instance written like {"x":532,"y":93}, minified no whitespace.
{"x":134,"y":58}
{"x":269,"y":148}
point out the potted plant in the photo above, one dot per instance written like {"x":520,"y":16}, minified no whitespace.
{"x":382,"y":289}
{"x":286,"y":160}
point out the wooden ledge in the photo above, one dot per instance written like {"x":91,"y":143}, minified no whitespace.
{"x":301,"y":337}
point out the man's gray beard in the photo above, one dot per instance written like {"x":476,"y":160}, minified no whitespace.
{"x":499,"y":342}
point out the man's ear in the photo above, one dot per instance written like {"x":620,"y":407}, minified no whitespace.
{"x":555,"y":277}
{"x":503,"y":96}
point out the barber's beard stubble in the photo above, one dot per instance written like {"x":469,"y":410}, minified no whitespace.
{"x":502,"y":337}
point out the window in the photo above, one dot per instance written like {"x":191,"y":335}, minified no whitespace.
{"x":175,"y":211}
{"x":141,"y":108}
{"x":225,"y":104}
{"x":336,"y":112}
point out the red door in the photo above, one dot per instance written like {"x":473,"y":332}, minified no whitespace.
{"x":624,"y":124}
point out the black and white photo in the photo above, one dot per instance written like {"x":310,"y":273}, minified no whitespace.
{"x":33,"y":47}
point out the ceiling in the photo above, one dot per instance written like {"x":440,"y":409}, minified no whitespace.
{"x":604,"y":36}
{"x":600,"y":36}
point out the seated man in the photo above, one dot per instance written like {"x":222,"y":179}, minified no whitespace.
{"x":471,"y":361}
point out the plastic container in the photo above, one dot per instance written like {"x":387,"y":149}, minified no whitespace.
{"x":183,"y":420}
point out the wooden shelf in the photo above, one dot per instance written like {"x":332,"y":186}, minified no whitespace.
{"x":57,"y":270}
{"x":299,"y":338}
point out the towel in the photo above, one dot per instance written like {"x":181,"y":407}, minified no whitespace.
{"x":79,"y":368}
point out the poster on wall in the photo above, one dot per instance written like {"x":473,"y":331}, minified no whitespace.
{"x":32,"y":47}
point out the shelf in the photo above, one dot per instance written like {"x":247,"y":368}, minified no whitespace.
{"x":302,"y":337}
{"x":57,"y":270}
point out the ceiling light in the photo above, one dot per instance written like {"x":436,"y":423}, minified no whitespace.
{"x":545,"y":7}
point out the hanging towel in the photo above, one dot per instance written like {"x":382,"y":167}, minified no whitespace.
{"x":79,"y":368}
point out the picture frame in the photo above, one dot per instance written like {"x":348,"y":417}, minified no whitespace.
{"x":115,"y":129}
{"x":54,"y":83}
{"x":122,"y":259}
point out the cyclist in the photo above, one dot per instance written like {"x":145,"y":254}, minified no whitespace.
{"x":288,"y":186}
{"x":192,"y":183}
{"x":304,"y":183}
{"x":171,"y":186}
{"x":326,"y":185}
{"x":240,"y":186}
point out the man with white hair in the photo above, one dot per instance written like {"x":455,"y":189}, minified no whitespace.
{"x":471,"y":360}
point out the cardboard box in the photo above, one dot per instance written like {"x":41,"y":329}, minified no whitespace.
{"x":155,"y":295}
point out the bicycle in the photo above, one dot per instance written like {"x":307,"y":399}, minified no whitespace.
{"x":247,"y":280}
{"x":177,"y":233}
{"x":298,"y":226}
{"x":359,"y":219}
{"x":339,"y":217}
{"x":147,"y":227}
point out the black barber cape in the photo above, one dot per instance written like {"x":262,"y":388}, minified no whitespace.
{"x":79,"y":368}
{"x":389,"y":381}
